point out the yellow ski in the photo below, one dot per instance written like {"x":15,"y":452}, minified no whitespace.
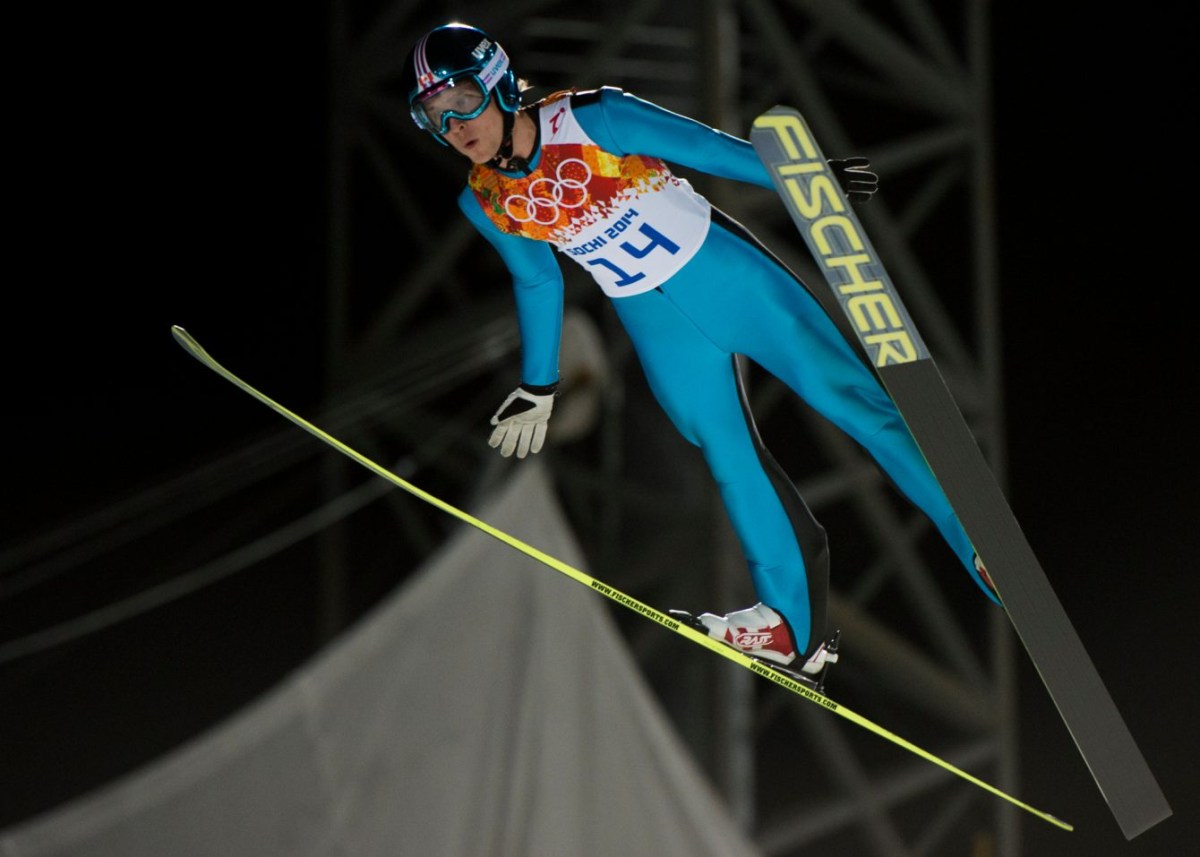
{"x":193,"y":347}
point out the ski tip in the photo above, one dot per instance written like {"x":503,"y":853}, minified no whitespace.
{"x":183,"y":338}
{"x":188,"y":342}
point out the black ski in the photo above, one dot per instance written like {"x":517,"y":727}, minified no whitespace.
{"x":865,"y":292}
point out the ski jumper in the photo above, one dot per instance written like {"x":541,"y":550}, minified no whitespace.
{"x":693,"y":288}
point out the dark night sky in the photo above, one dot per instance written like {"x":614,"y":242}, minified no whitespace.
{"x":199,"y":202}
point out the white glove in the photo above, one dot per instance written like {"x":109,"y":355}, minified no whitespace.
{"x":521,"y":420}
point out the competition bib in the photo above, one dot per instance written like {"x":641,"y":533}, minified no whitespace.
{"x":628,"y":221}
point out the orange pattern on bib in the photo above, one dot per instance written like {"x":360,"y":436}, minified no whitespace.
{"x":574,"y":186}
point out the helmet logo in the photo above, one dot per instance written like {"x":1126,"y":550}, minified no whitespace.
{"x":481,"y":49}
{"x":494,"y":69}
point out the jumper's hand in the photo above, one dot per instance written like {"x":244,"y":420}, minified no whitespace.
{"x":858,"y":182}
{"x":521,"y":420}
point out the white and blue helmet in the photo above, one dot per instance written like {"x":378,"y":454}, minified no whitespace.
{"x":462,"y":66}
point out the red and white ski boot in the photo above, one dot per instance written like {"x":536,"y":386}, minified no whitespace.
{"x":985,"y":577}
{"x":765,"y":635}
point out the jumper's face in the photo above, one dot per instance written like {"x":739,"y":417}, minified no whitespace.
{"x":465,"y":116}
{"x":479,"y":138}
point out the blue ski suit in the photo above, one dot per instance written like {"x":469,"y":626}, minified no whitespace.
{"x":693,"y":288}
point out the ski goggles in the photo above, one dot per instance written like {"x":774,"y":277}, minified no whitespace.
{"x":462,"y":98}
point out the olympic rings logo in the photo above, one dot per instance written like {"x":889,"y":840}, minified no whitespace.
{"x":568,"y":189}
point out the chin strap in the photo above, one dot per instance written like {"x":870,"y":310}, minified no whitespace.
{"x":505,"y":159}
